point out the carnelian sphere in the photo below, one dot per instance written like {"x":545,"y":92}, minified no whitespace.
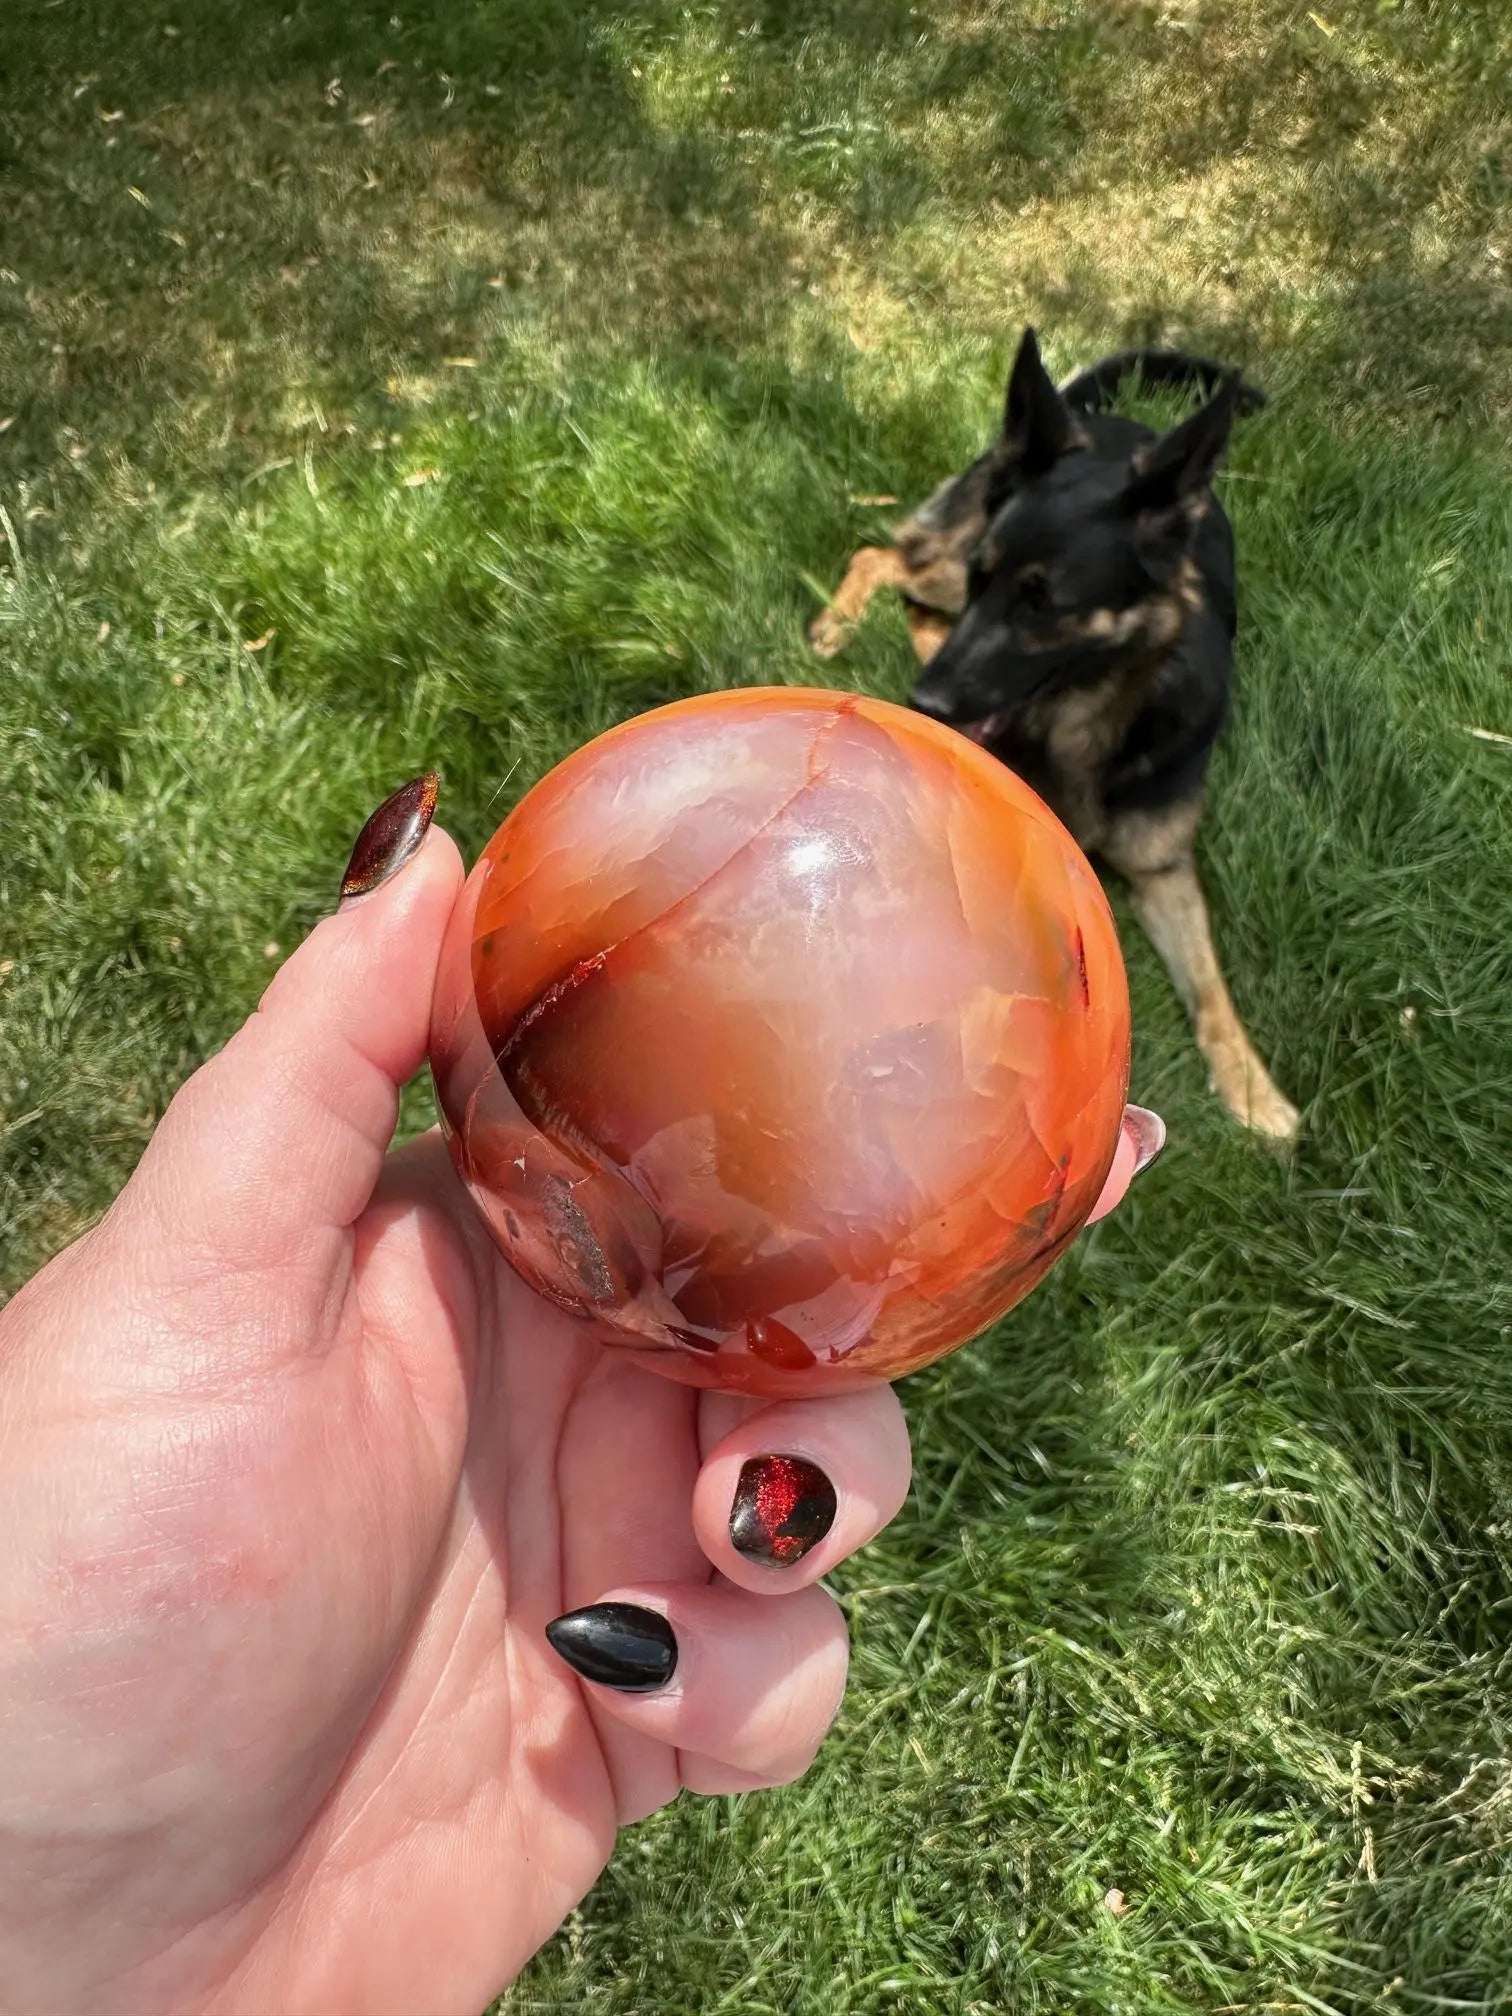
{"x":782,"y":1037}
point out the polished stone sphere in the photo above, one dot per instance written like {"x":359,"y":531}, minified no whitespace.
{"x":782,"y":1037}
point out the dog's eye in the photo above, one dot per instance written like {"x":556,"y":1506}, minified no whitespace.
{"x":1034,"y":592}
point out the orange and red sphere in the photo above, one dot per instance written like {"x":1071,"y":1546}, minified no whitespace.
{"x":782,"y":1037}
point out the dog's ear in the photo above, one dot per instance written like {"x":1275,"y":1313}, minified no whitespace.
{"x":1037,"y":423}
{"x":1181,"y":464}
{"x":1168,"y":479}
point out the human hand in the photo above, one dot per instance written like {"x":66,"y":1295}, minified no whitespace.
{"x":294,"y":1474}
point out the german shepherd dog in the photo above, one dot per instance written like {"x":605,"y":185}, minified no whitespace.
{"x":1073,"y":598}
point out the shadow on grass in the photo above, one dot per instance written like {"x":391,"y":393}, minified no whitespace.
{"x":282,"y":227}
{"x":223,"y":239}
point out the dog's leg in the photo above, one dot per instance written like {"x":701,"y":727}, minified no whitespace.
{"x":928,"y":629}
{"x":873,"y":567}
{"x":1170,"y":905}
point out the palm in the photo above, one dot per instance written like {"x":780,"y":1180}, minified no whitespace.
{"x":502,"y":1475}
{"x":332,"y":1601}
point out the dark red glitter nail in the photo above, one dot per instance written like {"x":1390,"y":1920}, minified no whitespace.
{"x":784,"y":1505}
{"x":392,"y":836}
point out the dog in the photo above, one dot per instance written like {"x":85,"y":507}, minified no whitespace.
{"x":1072,"y":598}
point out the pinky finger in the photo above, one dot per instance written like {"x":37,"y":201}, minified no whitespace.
{"x":713,"y":1780}
{"x":745,"y":1687}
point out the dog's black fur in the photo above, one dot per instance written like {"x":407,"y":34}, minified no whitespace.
{"x":1073,"y":597}
{"x":1096,"y":559}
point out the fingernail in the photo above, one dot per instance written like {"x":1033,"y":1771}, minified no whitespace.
{"x":1148,"y":1133}
{"x":392,"y":836}
{"x":784,"y":1505}
{"x":618,"y":1645}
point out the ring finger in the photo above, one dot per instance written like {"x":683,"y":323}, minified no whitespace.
{"x":787,"y":1490}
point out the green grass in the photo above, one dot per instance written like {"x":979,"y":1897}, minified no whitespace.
{"x":1205,"y":1589}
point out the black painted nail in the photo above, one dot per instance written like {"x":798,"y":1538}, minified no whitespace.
{"x":618,"y":1645}
{"x":784,"y":1505}
{"x":1148,"y":1133}
{"x":392,"y":836}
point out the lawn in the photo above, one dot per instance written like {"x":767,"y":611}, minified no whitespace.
{"x":393,"y":384}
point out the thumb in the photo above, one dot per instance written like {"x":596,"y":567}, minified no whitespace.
{"x":277,"y":1142}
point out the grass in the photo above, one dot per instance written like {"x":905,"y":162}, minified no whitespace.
{"x":444,"y":384}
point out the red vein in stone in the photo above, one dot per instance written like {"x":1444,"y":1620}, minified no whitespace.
{"x":571,"y":980}
{"x":558,"y":990}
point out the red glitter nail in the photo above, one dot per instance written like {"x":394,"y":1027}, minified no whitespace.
{"x":784,"y":1505}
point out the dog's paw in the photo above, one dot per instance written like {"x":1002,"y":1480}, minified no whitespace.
{"x":829,"y":633}
{"x":1267,"y":1112}
{"x":1244,"y":1085}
